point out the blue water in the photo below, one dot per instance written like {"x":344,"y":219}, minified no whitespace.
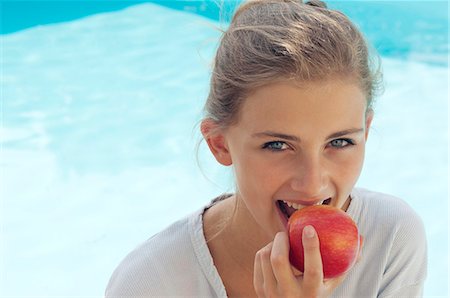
{"x":23,"y":14}
{"x":395,"y":28}
{"x":98,"y":135}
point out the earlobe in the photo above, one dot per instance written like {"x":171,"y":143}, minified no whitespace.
{"x":369,"y":118}
{"x":216,"y":141}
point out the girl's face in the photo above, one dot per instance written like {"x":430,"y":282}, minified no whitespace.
{"x":297,"y":145}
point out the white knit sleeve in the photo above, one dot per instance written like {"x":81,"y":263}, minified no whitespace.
{"x":406,"y":266}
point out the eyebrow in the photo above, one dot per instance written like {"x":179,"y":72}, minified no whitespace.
{"x":297,"y":139}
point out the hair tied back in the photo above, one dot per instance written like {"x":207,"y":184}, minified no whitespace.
{"x":316,"y":3}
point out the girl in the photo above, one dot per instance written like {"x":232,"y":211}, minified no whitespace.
{"x":290,"y":108}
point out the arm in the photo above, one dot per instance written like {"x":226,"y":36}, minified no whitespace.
{"x":406,"y":268}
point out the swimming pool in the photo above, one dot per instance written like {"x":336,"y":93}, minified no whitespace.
{"x":98,"y":137}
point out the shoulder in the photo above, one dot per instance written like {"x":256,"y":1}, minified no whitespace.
{"x":394,"y":236}
{"x":384,"y":210}
{"x":388,"y":219}
{"x":152,"y":268}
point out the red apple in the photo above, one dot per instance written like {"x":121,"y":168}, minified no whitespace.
{"x":338,"y":236}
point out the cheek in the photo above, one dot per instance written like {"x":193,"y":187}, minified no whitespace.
{"x":256,"y":175}
{"x":348,"y":165}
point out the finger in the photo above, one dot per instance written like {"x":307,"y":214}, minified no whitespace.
{"x":361,"y":244}
{"x":279,"y":259}
{"x":258,"y":279}
{"x":313,"y":271}
{"x":269,"y":281}
{"x":333,"y":283}
{"x":296,"y":272}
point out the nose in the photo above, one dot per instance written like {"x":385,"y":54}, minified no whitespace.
{"x":310,"y":178}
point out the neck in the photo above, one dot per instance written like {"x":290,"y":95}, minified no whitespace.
{"x":243,"y":236}
{"x":233,"y":239}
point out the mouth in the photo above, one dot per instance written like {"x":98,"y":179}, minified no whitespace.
{"x":288,"y":208}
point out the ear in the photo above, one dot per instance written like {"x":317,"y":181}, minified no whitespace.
{"x":369,"y":118}
{"x":216,"y":141}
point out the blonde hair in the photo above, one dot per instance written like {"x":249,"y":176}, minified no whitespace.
{"x":273,"y":40}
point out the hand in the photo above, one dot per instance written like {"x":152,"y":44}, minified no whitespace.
{"x":275,"y":277}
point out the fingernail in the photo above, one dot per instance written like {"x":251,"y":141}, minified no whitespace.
{"x":309,"y":232}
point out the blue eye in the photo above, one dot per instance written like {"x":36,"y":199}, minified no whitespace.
{"x":275,"y":146}
{"x":341,"y":143}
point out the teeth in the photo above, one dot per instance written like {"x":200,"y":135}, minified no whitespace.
{"x":296,"y":206}
{"x":299,"y":206}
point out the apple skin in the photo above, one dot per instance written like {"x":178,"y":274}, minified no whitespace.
{"x":338,"y":236}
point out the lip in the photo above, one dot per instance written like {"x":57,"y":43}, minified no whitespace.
{"x":308,"y":202}
{"x":283,"y":218}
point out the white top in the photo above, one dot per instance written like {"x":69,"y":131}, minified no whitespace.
{"x":177,"y":262}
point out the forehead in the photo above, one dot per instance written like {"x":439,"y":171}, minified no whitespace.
{"x":285,"y":104}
